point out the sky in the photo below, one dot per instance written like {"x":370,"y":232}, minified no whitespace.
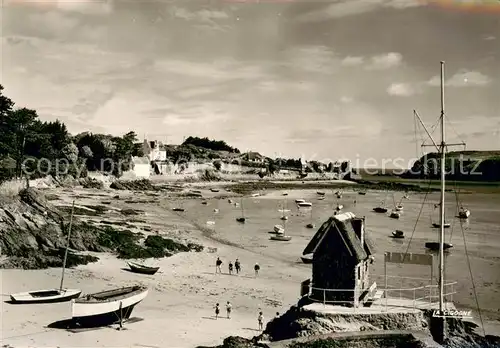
{"x":321,"y":80}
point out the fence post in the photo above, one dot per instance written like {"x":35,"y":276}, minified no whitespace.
{"x":413,"y":298}
{"x":324,"y":297}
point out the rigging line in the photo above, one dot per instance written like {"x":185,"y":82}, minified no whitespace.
{"x":416,"y":222}
{"x":472,"y":281}
{"x":453,"y":129}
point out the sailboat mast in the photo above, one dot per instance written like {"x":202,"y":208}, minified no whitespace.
{"x":67,"y":246}
{"x":441,"y":227}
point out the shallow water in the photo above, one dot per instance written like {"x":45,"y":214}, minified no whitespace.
{"x":481,"y":230}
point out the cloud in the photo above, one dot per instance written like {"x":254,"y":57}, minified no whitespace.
{"x":462,"y":78}
{"x":344,"y":8}
{"x":317,"y":59}
{"x":401,"y":90}
{"x":385,"y":61}
{"x":352,"y":61}
{"x":96,"y":7}
{"x":201,"y":15}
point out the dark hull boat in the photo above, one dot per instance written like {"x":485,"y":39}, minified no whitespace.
{"x":398,"y":234}
{"x":446,"y":225}
{"x":310,"y":226}
{"x":435,"y":246}
{"x":241,"y":219}
{"x":362,"y":193}
{"x":178,"y":209}
{"x":138,"y":268}
{"x":380,"y":210}
{"x":106,"y":307}
{"x":45,"y":296}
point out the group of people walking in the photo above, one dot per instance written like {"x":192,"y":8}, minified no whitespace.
{"x":234,"y":267}
{"x":229,"y":308}
{"x":231,"y":268}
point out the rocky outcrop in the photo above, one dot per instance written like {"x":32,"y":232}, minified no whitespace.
{"x":134,"y":185}
{"x":33,"y":234}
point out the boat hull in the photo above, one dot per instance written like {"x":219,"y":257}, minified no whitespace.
{"x":306,"y":259}
{"x":380,"y":210}
{"x":281,"y":238}
{"x":446,"y":225}
{"x":304,"y":204}
{"x":435,"y":245}
{"x":90,"y":311}
{"x":45,"y":296}
{"x":136,"y":268}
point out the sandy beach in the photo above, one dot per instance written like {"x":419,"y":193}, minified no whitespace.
{"x":179,"y":310}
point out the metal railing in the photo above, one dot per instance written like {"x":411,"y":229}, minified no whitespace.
{"x":426,"y":294}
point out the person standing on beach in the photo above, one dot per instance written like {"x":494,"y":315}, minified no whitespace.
{"x":228,"y":309}
{"x":256,"y":269}
{"x":260,"y":319}
{"x":217,"y":311}
{"x":218,"y":265}
{"x":230,"y":267}
{"x":237,"y":265}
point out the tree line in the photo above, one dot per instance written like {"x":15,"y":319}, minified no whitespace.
{"x":25,"y":140}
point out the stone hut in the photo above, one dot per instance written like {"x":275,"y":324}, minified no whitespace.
{"x":342,"y":254}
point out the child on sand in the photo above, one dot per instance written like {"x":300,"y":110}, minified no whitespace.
{"x":217,"y":311}
{"x":256,"y":269}
{"x":230,"y":267}
{"x":260,"y":318}
{"x":237,"y":265}
{"x":218,"y":263}
{"x":228,"y":309}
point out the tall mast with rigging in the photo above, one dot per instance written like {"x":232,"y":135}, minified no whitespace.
{"x":442,"y":151}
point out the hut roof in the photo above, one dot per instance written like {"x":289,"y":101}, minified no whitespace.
{"x":343,"y":225}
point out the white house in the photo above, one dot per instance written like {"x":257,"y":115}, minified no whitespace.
{"x":141,"y":167}
{"x":153,"y":150}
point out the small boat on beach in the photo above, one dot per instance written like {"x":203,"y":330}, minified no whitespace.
{"x":204,"y":202}
{"x":320,"y":193}
{"x":241,"y":219}
{"x":45,"y":296}
{"x":398,"y":234}
{"x":300,"y":200}
{"x":50,"y":295}
{"x":310,"y":225}
{"x":285,"y":193}
{"x":399,"y":207}
{"x":214,"y":190}
{"x":107,"y":307}
{"x":142,"y":269}
{"x":304,"y":204}
{"x":308,"y":259}
{"x":321,"y":198}
{"x":281,"y":238}
{"x":178,"y":209}
{"x":362,"y":193}
{"x":435,"y":246}
{"x":284,"y":217}
{"x":380,"y":210}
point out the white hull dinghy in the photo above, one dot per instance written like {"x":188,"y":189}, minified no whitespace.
{"x":50,"y":295}
{"x":45,"y":296}
{"x":304,"y":204}
{"x":107,"y":307}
